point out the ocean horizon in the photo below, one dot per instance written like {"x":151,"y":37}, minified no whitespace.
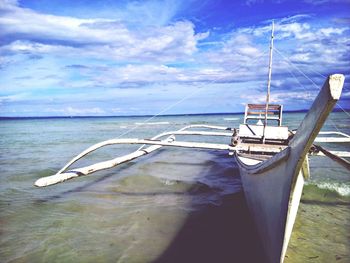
{"x":148,"y":115}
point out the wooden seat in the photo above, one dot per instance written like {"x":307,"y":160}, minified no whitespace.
{"x":250,"y":131}
{"x":257,"y":112}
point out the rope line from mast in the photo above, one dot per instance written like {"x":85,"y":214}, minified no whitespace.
{"x":302,"y":86}
{"x":199,"y":89}
{"x":301,"y":72}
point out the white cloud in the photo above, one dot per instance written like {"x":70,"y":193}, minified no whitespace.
{"x":14,"y":98}
{"x":252,"y":2}
{"x":19,"y":46}
{"x":331,"y":31}
{"x":320,"y":2}
{"x":29,"y":24}
{"x":106,"y":38}
{"x":240,"y":56}
{"x":8,"y":4}
{"x":239,"y":49}
{"x":76,"y":111}
{"x":346,"y":94}
{"x":279,"y":97}
{"x":298,"y":30}
{"x":300,"y":57}
{"x":90,"y":55}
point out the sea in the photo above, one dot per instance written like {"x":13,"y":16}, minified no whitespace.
{"x":173,"y":205}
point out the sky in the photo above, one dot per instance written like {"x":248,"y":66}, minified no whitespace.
{"x":116,"y":58}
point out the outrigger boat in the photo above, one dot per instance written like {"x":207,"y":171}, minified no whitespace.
{"x":272,"y":160}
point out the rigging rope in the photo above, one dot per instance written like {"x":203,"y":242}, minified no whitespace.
{"x":334,"y":125}
{"x":291,"y":63}
{"x":318,"y":73}
{"x":199,"y":89}
{"x":301,"y":85}
{"x":215,"y":97}
{"x":288,"y":61}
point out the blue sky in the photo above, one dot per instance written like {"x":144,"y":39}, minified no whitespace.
{"x":71,"y":58}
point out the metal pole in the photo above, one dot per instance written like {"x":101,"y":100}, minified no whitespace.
{"x":268,"y":81}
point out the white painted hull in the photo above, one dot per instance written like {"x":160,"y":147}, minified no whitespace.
{"x":273,"y":187}
{"x":273,"y":198}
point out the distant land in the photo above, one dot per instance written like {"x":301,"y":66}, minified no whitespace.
{"x":131,"y":116}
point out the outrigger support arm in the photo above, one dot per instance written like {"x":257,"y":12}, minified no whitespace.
{"x":156,"y":143}
{"x":62,"y":176}
{"x":179,"y":132}
{"x":335,"y":156}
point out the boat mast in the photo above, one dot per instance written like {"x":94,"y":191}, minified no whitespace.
{"x":268,"y":81}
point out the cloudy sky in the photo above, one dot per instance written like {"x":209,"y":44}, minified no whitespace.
{"x":69,"y":58}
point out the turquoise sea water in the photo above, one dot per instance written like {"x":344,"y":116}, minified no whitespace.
{"x":145,"y":210}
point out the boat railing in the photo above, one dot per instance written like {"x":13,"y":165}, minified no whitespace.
{"x":340,"y":137}
{"x":257,"y":112}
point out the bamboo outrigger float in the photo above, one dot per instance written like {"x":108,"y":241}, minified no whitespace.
{"x":273,"y":161}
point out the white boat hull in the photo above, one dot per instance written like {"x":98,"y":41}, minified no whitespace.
{"x":273,"y":201}
{"x":273,"y":187}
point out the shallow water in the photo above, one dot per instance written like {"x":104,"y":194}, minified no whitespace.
{"x":145,"y":210}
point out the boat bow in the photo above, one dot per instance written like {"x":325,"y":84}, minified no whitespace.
{"x":273,"y":187}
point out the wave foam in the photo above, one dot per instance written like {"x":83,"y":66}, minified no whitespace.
{"x":341,"y":188}
{"x":231,"y":119}
{"x":152,"y":123}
